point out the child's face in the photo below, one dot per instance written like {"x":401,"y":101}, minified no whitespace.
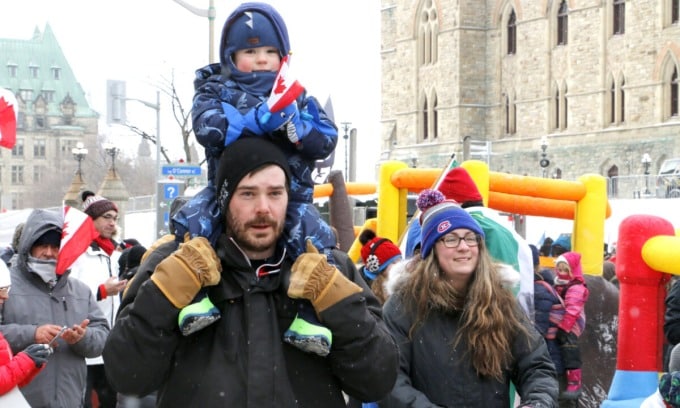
{"x":563,"y":271}
{"x":257,"y":59}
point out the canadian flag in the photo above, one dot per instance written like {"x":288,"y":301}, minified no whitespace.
{"x":77,"y":234}
{"x":8,"y":118}
{"x":286,"y":88}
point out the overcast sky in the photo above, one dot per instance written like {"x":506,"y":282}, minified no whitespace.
{"x":336,"y":54}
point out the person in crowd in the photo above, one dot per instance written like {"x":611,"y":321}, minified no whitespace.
{"x":129,"y":260}
{"x":98,"y":268}
{"x":546,"y":304}
{"x":48,"y":308}
{"x":546,"y":247}
{"x":378,"y":255}
{"x":561,"y":245}
{"x":462,"y":336}
{"x":242,"y":359}
{"x":668,"y":393}
{"x":231,"y":101}
{"x":9,"y":253}
{"x":504,"y":244}
{"x":571,"y":321}
{"x":20,"y":369}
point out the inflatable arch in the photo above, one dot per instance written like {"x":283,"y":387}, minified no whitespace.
{"x":584,"y":201}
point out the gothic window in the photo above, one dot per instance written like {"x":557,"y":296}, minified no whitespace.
{"x":507,"y":115}
{"x":565,"y":108}
{"x":563,"y":24}
{"x":34,"y":71}
{"x":56,"y":73}
{"x":26,"y":94}
{"x":18,"y":149}
{"x":12,"y":70}
{"x":674,"y":93}
{"x":428,"y":31}
{"x":38,"y":173}
{"x":622,"y":101}
{"x":48,"y":96}
{"x":557,"y":108}
{"x":619,"y":16}
{"x":510,"y":114}
{"x":612,"y":101}
{"x":512,"y":33}
{"x":39,"y":148}
{"x":424,"y":118}
{"x":17,"y":200}
{"x":17,"y":174}
{"x":435,"y":118}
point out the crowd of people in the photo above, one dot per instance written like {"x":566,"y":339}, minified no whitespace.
{"x":249,"y":302}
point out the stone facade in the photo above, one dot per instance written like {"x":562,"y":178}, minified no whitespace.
{"x":600,"y":101}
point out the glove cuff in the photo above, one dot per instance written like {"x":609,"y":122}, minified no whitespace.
{"x":337,"y":289}
{"x":176,"y":281}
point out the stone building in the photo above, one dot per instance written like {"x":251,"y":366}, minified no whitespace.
{"x":594,"y":81}
{"x":53,"y":117}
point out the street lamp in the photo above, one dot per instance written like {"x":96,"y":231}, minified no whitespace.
{"x":646,"y":162}
{"x":210,"y":13}
{"x":544,"y":162}
{"x":79,"y":153}
{"x":345,"y":127}
{"x":112,"y":150}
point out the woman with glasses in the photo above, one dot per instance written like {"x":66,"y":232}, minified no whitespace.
{"x":462,"y":336}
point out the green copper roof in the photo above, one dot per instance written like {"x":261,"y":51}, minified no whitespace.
{"x":42,"y":52}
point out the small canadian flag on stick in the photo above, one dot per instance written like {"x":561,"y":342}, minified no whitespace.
{"x":8,"y":118}
{"x":77,"y":234}
{"x":286,"y":88}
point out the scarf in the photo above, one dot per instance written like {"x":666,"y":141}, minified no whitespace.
{"x":106,"y":244}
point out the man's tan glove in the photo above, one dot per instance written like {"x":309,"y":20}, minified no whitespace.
{"x":181,"y":275}
{"x":314,"y":279}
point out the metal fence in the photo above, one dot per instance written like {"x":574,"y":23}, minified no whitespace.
{"x":643,"y":186}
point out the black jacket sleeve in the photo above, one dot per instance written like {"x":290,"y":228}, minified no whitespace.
{"x":364,"y":356}
{"x":671,"y":325}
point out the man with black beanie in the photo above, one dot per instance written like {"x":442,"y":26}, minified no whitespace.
{"x":242,"y":360}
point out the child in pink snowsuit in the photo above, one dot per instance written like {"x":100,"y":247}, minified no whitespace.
{"x":571,"y":321}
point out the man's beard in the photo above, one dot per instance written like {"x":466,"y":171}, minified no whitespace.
{"x":253,"y":242}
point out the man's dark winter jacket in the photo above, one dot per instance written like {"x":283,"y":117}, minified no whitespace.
{"x":241,"y":360}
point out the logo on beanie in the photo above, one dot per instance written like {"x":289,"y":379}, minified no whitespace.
{"x":443,"y":226}
{"x":372,"y":263}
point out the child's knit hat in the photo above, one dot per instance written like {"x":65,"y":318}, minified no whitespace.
{"x":377,"y":253}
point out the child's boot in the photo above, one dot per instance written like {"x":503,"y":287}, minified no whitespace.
{"x":307,"y":333}
{"x":197,"y":315}
{"x":573,"y":390}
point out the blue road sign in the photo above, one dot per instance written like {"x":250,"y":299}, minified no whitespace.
{"x":170,"y":191}
{"x":181,"y":170}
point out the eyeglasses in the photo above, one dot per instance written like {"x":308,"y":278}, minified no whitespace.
{"x":453,"y":240}
{"x":109,"y":217}
{"x":5,"y":290}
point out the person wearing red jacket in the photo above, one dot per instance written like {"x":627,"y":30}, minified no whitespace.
{"x":571,"y":286}
{"x":20,"y":369}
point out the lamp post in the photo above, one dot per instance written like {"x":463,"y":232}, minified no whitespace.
{"x":210,"y":13}
{"x":112,"y":150}
{"x":646,"y":162}
{"x":79,"y":153}
{"x":345,"y":127}
{"x":544,"y":162}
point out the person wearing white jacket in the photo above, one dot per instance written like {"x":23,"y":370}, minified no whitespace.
{"x":98,"y":268}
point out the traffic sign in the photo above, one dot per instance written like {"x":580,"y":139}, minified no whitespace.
{"x":170,"y":191}
{"x":181,"y":170}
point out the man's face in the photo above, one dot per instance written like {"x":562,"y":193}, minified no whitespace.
{"x":106,"y":224}
{"x":257,"y":211}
